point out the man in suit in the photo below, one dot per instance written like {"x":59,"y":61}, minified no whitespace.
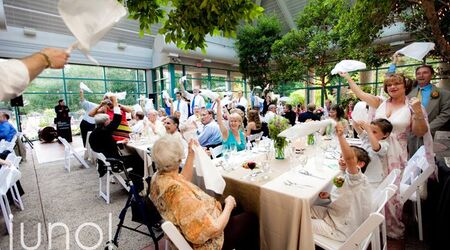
{"x":309,"y":114}
{"x":434,"y":99}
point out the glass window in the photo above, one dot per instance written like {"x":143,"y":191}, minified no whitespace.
{"x":83,"y":71}
{"x":122,"y":74}
{"x":97,"y":86}
{"x":46,"y":85}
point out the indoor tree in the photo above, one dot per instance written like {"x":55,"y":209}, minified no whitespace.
{"x":253,"y":46}
{"x":187,"y":22}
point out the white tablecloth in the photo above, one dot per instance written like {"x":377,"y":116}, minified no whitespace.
{"x":283,"y":210}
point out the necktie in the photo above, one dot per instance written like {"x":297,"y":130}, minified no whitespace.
{"x":178,"y":106}
{"x":193,"y":104}
{"x":419,"y":94}
{"x":214,"y":104}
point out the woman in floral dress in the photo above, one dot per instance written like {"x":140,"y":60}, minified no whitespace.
{"x":407,"y":116}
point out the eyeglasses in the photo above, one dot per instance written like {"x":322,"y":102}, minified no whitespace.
{"x":168,"y":123}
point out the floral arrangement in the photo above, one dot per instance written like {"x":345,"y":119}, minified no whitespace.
{"x":435,"y":94}
{"x":276,"y":126}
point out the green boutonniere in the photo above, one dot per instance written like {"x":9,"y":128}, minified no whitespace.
{"x":435,"y":94}
{"x":338,"y":181}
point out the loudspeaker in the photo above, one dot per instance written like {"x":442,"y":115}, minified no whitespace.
{"x":17,"y":102}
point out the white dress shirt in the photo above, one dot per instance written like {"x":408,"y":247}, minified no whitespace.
{"x":182,"y":108}
{"x":15,"y":78}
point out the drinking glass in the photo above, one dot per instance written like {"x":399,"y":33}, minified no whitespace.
{"x":302,"y":160}
{"x":226,"y":157}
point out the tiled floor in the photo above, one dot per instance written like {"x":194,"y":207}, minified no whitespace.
{"x":53,"y":195}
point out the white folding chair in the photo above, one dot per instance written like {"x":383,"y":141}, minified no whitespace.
{"x":379,"y":203}
{"x":69,"y":151}
{"x":388,"y":180}
{"x":216,"y":151}
{"x":360,"y":239}
{"x":415,"y":175}
{"x":442,"y":135}
{"x":8,"y":177}
{"x":108,"y":177}
{"x":15,"y":161}
{"x":175,"y":236}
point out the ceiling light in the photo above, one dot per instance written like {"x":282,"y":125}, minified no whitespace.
{"x":174,"y":55}
{"x":122,"y":46}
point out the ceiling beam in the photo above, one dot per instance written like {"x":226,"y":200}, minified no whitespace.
{"x":287,"y":15}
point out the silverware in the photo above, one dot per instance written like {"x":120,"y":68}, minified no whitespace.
{"x":291,"y":183}
{"x":306,"y":172}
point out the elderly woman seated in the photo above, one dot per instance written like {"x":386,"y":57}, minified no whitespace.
{"x":198,"y":216}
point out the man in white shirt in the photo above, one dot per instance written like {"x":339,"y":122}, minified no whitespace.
{"x":155,"y":126}
{"x":181,"y":107}
{"x":240,"y":100}
{"x":195,"y":98}
{"x":17,"y":74}
{"x":271,"y":113}
{"x":88,"y":122}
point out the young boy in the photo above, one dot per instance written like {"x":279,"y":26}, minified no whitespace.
{"x":350,"y":202}
{"x":374,"y":141}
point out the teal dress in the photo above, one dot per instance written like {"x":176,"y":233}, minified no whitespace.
{"x":231,"y":140}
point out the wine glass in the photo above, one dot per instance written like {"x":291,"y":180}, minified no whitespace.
{"x":251,"y":166}
{"x":302,"y":160}
{"x":226,"y":157}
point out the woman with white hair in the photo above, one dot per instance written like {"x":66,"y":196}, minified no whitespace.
{"x":233,"y":135}
{"x":200,"y":218}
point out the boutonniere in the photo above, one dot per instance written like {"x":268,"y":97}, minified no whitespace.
{"x":435,"y":94}
{"x":338,"y":181}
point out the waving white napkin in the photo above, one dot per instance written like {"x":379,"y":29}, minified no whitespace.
{"x":360,"y":112}
{"x":149,"y":105}
{"x":89,"y":21}
{"x":8,"y":176}
{"x":165,"y":94}
{"x":225,"y":102}
{"x":208,"y":93}
{"x":119,"y":95}
{"x":417,"y":50}
{"x":305,"y":128}
{"x":348,"y":66}
{"x":285,"y":99}
{"x":205,"y":167}
{"x":85,"y":88}
{"x":137,"y":108}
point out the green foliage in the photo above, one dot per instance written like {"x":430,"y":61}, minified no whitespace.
{"x":276,"y":126}
{"x":313,"y":45}
{"x":187,"y":22}
{"x":297,"y":97}
{"x":253,"y":46}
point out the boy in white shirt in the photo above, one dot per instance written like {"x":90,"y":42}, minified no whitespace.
{"x":373,"y":137}
{"x":350,"y":199}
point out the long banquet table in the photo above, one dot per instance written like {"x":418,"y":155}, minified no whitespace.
{"x":283,"y":210}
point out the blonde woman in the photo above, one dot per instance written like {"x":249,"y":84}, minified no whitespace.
{"x":232,"y":135}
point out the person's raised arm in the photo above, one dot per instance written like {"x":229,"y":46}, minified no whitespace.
{"x":419,"y":122}
{"x":223,"y":128}
{"x":93,"y":112}
{"x":188,"y":168}
{"x":370,"y":99}
{"x":46,"y":58}
{"x":125,"y":109}
{"x":374,"y":143}
{"x":347,"y":151}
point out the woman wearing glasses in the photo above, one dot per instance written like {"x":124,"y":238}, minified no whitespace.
{"x":407,"y":117}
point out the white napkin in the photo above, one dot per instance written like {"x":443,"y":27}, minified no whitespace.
{"x":305,"y":128}
{"x":417,"y":50}
{"x":208,"y":93}
{"x":183,"y":78}
{"x":348,"y":66}
{"x":89,"y":21}
{"x":149,"y":105}
{"x":85,"y":88}
{"x":285,"y":99}
{"x":165,"y":95}
{"x":225,"y":102}
{"x":360,"y":112}
{"x":205,"y":167}
{"x":8,"y":176}
{"x":137,"y":108}
{"x":119,"y":95}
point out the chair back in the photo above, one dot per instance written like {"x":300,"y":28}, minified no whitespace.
{"x":361,"y":237}
{"x":388,"y":180}
{"x":380,"y":201}
{"x":216,"y":151}
{"x":416,"y":173}
{"x":15,"y":160}
{"x":442,"y":135}
{"x":101,"y":157}
{"x":255,"y":137}
{"x":175,"y":236}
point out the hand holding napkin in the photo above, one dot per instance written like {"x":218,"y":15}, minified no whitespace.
{"x":205,"y":167}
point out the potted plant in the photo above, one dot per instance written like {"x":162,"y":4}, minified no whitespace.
{"x":276,"y":126}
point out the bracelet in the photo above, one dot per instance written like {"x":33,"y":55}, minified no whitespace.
{"x":419,"y":118}
{"x":47,"y":59}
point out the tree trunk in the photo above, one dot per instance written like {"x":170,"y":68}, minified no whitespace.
{"x":431,"y":15}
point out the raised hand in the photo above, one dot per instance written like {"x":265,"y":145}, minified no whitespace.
{"x":58,"y":57}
